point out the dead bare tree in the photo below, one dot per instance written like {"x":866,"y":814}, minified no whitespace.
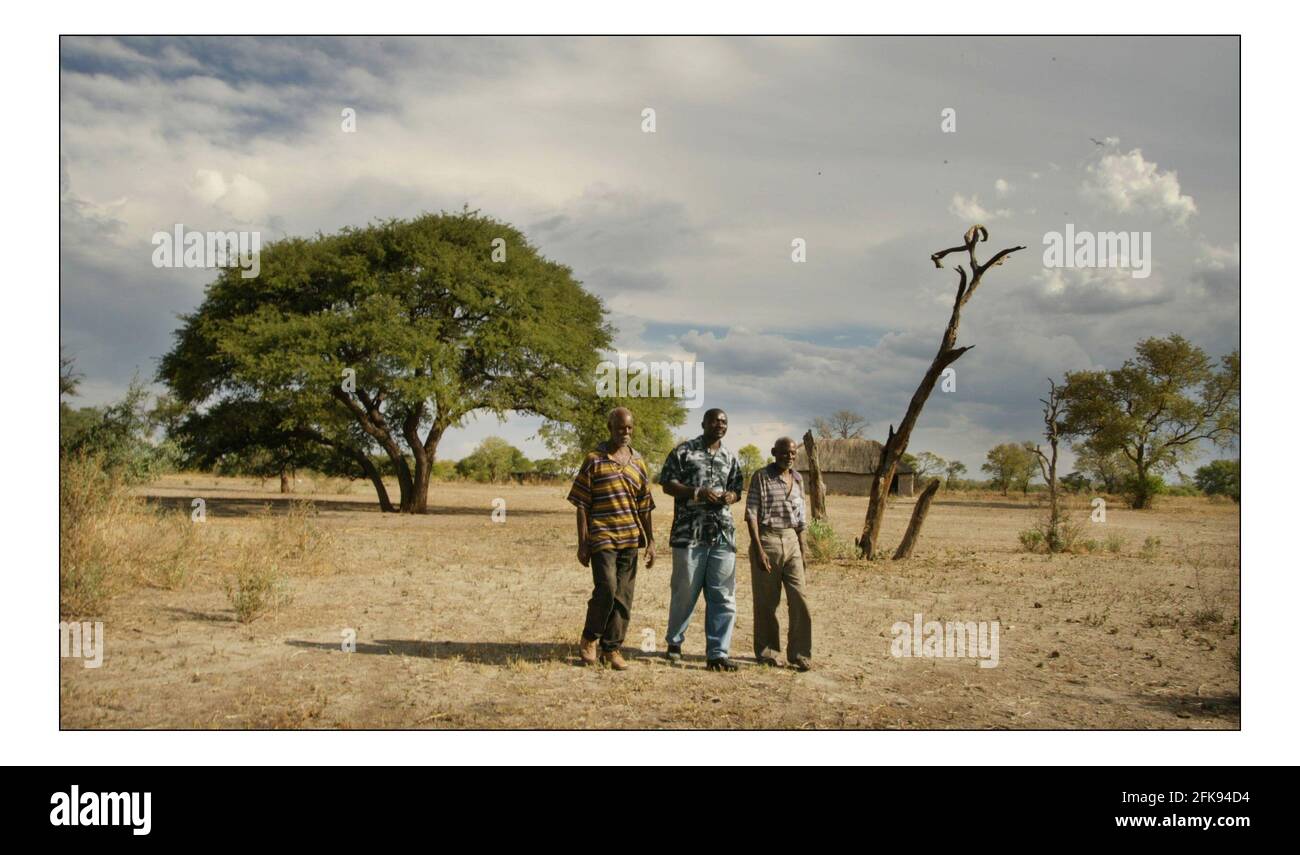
{"x":816,"y":486}
{"x":918,"y":519}
{"x":948,"y":353}
{"x":1052,"y":432}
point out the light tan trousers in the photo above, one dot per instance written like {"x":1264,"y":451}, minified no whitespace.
{"x":782,"y":549}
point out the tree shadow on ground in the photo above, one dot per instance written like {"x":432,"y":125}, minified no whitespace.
{"x":206,"y":617}
{"x":222,"y":506}
{"x":1019,"y":506}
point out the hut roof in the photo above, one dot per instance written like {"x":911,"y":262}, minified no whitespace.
{"x":854,"y":456}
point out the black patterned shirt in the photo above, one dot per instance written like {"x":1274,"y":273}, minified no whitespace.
{"x":697,"y":523}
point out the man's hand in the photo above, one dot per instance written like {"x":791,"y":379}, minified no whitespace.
{"x":715,"y":497}
{"x":650,"y":555}
{"x":584,"y":553}
{"x":767,"y":562}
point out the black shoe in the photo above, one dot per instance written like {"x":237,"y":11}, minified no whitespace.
{"x":674,"y":654}
{"x":802,"y":665}
{"x":768,"y":661}
{"x":722,"y":665}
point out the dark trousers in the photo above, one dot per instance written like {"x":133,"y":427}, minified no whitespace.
{"x":613,"y":574}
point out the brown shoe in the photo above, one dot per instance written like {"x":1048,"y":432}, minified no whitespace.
{"x":587,"y":651}
{"x":614,"y":659}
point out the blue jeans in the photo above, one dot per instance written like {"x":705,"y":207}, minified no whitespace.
{"x":711,"y":568}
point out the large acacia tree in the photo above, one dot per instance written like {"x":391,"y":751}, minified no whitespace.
{"x":1155,"y":409}
{"x":381,"y":338}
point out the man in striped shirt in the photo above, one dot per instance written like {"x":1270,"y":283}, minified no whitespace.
{"x":776,"y":517}
{"x":612,"y":495}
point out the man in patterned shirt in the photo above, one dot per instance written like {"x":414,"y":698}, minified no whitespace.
{"x":704,"y":479}
{"x":776,"y":517}
{"x":612,"y":495}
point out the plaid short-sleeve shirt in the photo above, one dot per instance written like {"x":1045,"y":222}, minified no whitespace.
{"x":615,"y":496}
{"x":769,"y":505}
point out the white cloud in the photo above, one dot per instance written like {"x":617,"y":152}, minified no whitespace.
{"x":1096,"y":291}
{"x":241,"y":197}
{"x":972,"y":211}
{"x":688,"y":226}
{"x":1129,"y":182}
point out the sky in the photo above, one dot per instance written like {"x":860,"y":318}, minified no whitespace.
{"x":874,"y":152}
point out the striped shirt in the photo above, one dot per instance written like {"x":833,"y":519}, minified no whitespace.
{"x":768,"y":503}
{"x":614,"y":496}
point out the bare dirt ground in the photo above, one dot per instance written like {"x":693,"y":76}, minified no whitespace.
{"x":461,"y":622}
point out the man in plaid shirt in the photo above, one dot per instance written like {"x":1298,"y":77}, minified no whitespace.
{"x":776,"y":517}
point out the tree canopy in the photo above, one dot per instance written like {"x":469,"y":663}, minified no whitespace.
{"x":382,"y":338}
{"x":1155,"y":409}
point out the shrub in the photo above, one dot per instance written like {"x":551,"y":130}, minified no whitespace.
{"x":1032,"y":540}
{"x":255,"y":586}
{"x":443,"y":470}
{"x":294,"y":539}
{"x":1142,"y":492}
{"x":1049,"y":538}
{"x":98,"y":521}
{"x":1150,"y":548}
{"x":110,"y":539}
{"x":1220,"y":478}
{"x":824,"y":543}
{"x":117,"y":437}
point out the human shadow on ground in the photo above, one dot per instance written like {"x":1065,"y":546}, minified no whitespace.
{"x":480,"y":652}
{"x":1222,"y":705}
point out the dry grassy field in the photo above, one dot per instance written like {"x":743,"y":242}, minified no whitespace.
{"x":461,"y":622}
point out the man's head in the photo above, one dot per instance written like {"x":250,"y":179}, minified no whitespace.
{"x":620,"y":427}
{"x":715,"y":425}
{"x":785,"y":451}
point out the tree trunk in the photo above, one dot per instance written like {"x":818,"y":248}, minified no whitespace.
{"x":1141,"y":489}
{"x":423,"y":452}
{"x":876,"y":504}
{"x":948,"y":353}
{"x":816,"y":486}
{"x":377,"y":480}
{"x":420,"y":487}
{"x":357,"y":456}
{"x":918,"y":518}
{"x":372,"y":421}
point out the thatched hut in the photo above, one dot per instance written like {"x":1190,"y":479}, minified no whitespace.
{"x":848,"y":465}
